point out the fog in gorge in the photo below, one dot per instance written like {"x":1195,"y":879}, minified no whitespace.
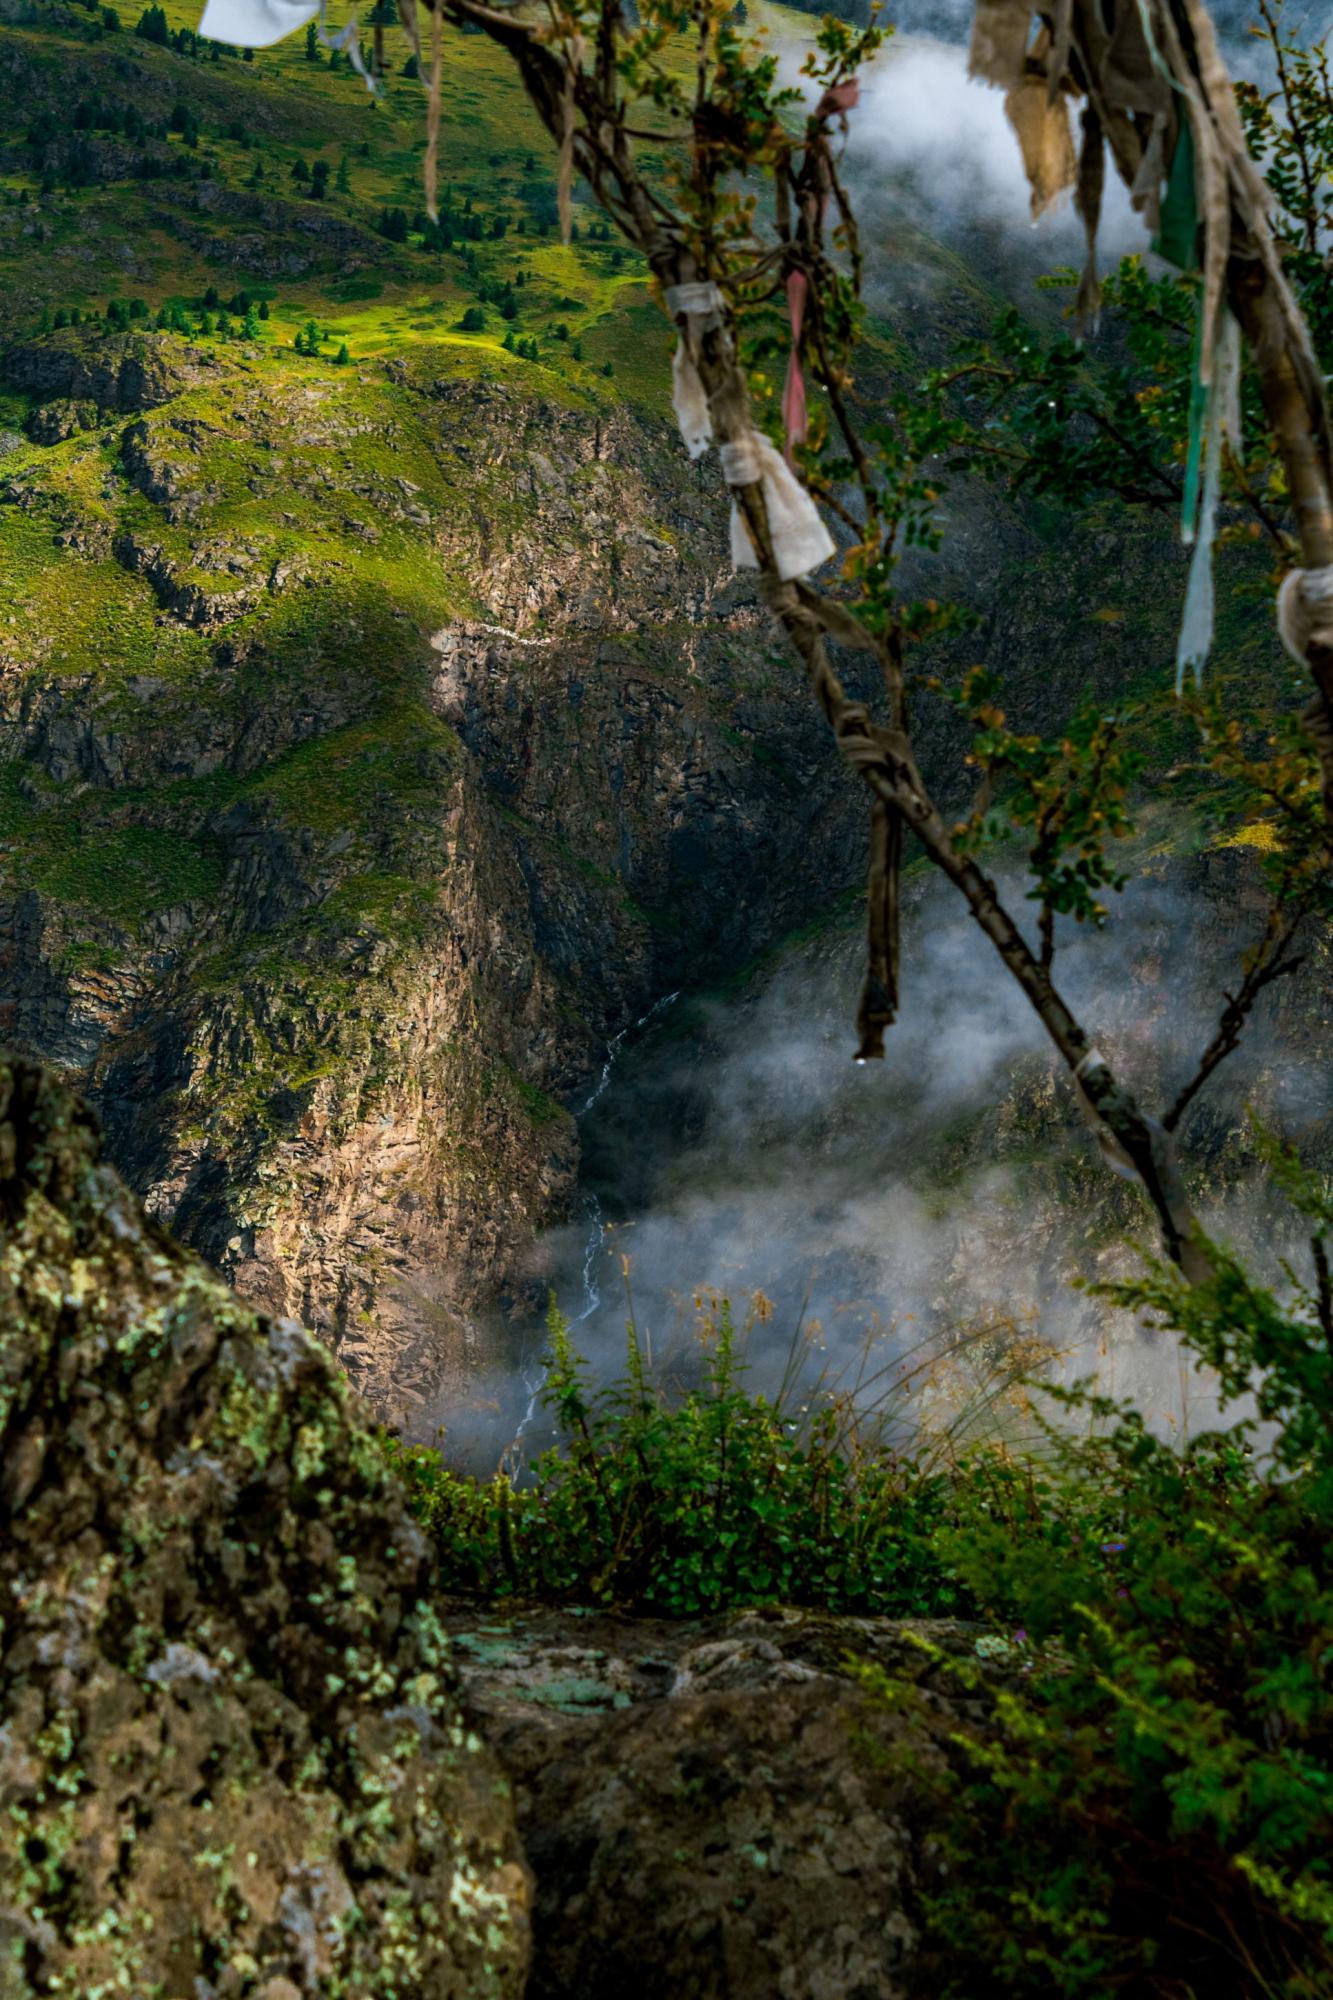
{"x":938,"y":1210}
{"x":940,"y":1203}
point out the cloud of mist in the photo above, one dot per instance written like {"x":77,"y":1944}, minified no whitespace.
{"x":952,"y":1188}
{"x":930,"y":142}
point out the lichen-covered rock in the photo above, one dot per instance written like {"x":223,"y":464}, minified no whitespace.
{"x":231,"y":1761}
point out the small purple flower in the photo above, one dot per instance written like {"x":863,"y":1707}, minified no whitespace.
{"x":1113,"y":1548}
{"x":1020,"y":1637}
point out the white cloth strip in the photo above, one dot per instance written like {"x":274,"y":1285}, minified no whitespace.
{"x":700,"y":300}
{"x":255,"y":24}
{"x":694,"y":300}
{"x":800,"y":540}
{"x":1305,"y":611}
{"x":689,"y":402}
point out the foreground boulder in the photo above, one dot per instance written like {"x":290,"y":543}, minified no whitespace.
{"x":231,"y":1763}
{"x":714,"y":1808}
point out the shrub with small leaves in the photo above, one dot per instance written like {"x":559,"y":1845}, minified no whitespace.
{"x":1150,"y":1809}
{"x":688,"y":1505}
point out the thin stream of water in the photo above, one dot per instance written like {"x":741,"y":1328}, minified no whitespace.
{"x":534,"y":1374}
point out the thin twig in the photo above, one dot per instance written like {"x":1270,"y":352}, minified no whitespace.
{"x":1268,"y":962}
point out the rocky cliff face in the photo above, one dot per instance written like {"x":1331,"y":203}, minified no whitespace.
{"x":375,"y":745}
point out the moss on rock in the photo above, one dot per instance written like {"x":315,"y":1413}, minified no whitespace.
{"x":231,"y":1761}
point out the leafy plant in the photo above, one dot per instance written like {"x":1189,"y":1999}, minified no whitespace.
{"x":690,"y":1502}
{"x":1147,"y":1806}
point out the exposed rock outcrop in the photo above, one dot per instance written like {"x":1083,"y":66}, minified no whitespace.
{"x":88,"y":374}
{"x":232,"y":1765}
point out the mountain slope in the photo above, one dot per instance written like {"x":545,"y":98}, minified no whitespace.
{"x":380,"y":735}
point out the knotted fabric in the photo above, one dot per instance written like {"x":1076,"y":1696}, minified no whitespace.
{"x":700,"y":305}
{"x":1305,"y":611}
{"x":800,"y":540}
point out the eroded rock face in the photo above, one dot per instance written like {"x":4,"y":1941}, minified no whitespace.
{"x":90,"y":375}
{"x":713,"y":1808}
{"x":456,"y":749}
{"x":231,"y":1759}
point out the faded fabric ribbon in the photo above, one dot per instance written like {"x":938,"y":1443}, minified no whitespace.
{"x":564,"y":180}
{"x":794,"y":414}
{"x":1042,"y":130}
{"x":1001,"y":31}
{"x":1305,"y":611}
{"x":1214,"y":421}
{"x":839,"y":99}
{"x":800,"y":540}
{"x":1157,"y":91}
{"x":430,"y":170}
{"x":700,"y":306}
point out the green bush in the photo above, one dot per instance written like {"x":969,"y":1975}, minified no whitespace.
{"x":1135,"y":1795}
{"x":1148,"y":1808}
{"x":688,"y":1505}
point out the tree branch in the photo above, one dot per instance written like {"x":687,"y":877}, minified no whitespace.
{"x":1269,"y":962}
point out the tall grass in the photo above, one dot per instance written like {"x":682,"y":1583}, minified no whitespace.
{"x":680,"y":1490}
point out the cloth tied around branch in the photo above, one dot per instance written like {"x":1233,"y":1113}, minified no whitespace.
{"x":795,"y":416}
{"x":700,"y":306}
{"x":1305,"y":611}
{"x":801,"y":542}
{"x":839,"y":99}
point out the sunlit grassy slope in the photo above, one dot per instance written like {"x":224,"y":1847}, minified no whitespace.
{"x":292,"y":463}
{"x":266,"y":438}
{"x":227,"y":213}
